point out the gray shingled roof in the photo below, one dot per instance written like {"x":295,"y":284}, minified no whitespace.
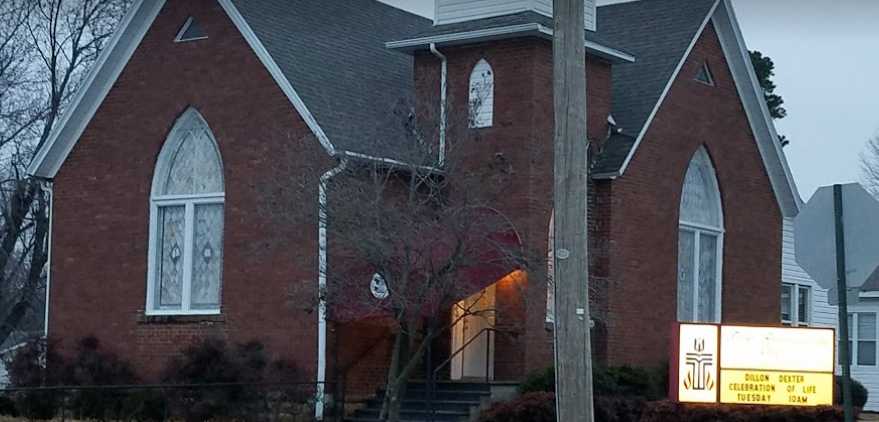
{"x":333,"y":53}
{"x":657,"y":33}
{"x":872,"y":282}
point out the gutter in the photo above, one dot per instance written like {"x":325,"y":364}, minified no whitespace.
{"x":48,"y":187}
{"x":443,"y":94}
{"x":320,"y":391}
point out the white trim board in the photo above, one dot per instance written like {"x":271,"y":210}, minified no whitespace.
{"x":750,"y":94}
{"x":503,"y":32}
{"x":113,"y":60}
{"x":97,"y":84}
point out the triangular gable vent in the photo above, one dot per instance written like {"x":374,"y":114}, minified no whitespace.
{"x":705,"y":76}
{"x":190,"y":31}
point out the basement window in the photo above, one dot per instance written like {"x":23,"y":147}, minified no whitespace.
{"x":705,"y":75}
{"x":190,"y":31}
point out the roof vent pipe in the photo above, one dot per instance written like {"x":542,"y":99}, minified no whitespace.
{"x":443,"y":93}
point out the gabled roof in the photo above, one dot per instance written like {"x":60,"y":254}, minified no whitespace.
{"x":872,"y":282}
{"x":329,"y":59}
{"x":327,"y":56}
{"x":660,"y":34}
{"x":333,"y":53}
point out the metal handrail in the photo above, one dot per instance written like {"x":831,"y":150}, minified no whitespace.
{"x":431,"y":379}
{"x":464,"y":346}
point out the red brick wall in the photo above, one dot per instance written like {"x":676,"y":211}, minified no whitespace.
{"x":520,"y":142}
{"x":99,"y":265}
{"x":644,"y":205}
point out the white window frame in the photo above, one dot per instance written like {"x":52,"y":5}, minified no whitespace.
{"x":481,"y":116}
{"x":795,"y":305}
{"x":854,"y":338}
{"x":699,"y":230}
{"x":176,"y":137}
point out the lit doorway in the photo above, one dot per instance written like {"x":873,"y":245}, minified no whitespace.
{"x":472,"y":338}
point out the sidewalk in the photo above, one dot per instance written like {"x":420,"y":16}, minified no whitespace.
{"x":869,"y":417}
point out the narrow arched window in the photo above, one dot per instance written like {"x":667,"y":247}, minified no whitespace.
{"x":700,"y":243}
{"x":481,"y":95}
{"x":186,"y":222}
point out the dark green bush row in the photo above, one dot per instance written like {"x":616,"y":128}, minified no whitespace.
{"x":664,"y":411}
{"x":626,"y":394}
{"x":622,"y":381}
{"x":540,"y":407}
{"x":209,"y":362}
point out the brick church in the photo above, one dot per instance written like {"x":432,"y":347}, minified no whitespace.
{"x":159,"y":231}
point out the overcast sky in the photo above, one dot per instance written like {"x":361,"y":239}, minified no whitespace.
{"x":827,"y":69}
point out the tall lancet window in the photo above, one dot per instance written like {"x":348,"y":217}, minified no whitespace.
{"x":481,"y":95}
{"x":700,"y":243}
{"x":186,"y":222}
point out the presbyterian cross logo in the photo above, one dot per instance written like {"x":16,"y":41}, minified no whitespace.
{"x":699,"y":363}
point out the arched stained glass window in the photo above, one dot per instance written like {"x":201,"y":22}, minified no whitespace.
{"x":186,"y":222}
{"x":481,"y":95}
{"x":700,"y":243}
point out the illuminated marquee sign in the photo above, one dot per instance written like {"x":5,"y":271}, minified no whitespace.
{"x":753,"y":365}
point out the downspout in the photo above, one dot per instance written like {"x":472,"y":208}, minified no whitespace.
{"x":48,"y":187}
{"x":443,"y":95}
{"x":320,"y":392}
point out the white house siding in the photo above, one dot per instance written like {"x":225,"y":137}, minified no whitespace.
{"x":867,"y":375}
{"x":822,"y":313}
{"x":825,"y":315}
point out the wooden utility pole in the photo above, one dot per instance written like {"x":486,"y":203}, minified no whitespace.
{"x":573,"y":350}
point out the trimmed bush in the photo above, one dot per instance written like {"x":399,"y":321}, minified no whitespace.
{"x":91,"y":366}
{"x":623,"y":381}
{"x":859,"y":393}
{"x":530,"y":407}
{"x":37,"y":364}
{"x":212,"y":361}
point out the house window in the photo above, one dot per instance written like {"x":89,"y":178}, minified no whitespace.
{"x":795,"y":304}
{"x":186,"y":222}
{"x":700,"y":243}
{"x":481,"y":95}
{"x":862,"y":338}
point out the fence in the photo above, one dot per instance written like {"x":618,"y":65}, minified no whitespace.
{"x":160,"y":402}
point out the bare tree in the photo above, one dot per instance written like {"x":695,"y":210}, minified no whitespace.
{"x":46,"y":49}
{"x":870,"y":166}
{"x":424,"y":235}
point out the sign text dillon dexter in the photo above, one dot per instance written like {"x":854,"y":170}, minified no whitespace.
{"x":753,"y":365}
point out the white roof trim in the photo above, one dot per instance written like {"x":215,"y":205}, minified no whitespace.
{"x":390,"y":161}
{"x":277,"y":74}
{"x":736,"y":51}
{"x":113,"y":60}
{"x":750,"y":93}
{"x":502,"y":32}
{"x":671,"y":80}
{"x":101,"y":78}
